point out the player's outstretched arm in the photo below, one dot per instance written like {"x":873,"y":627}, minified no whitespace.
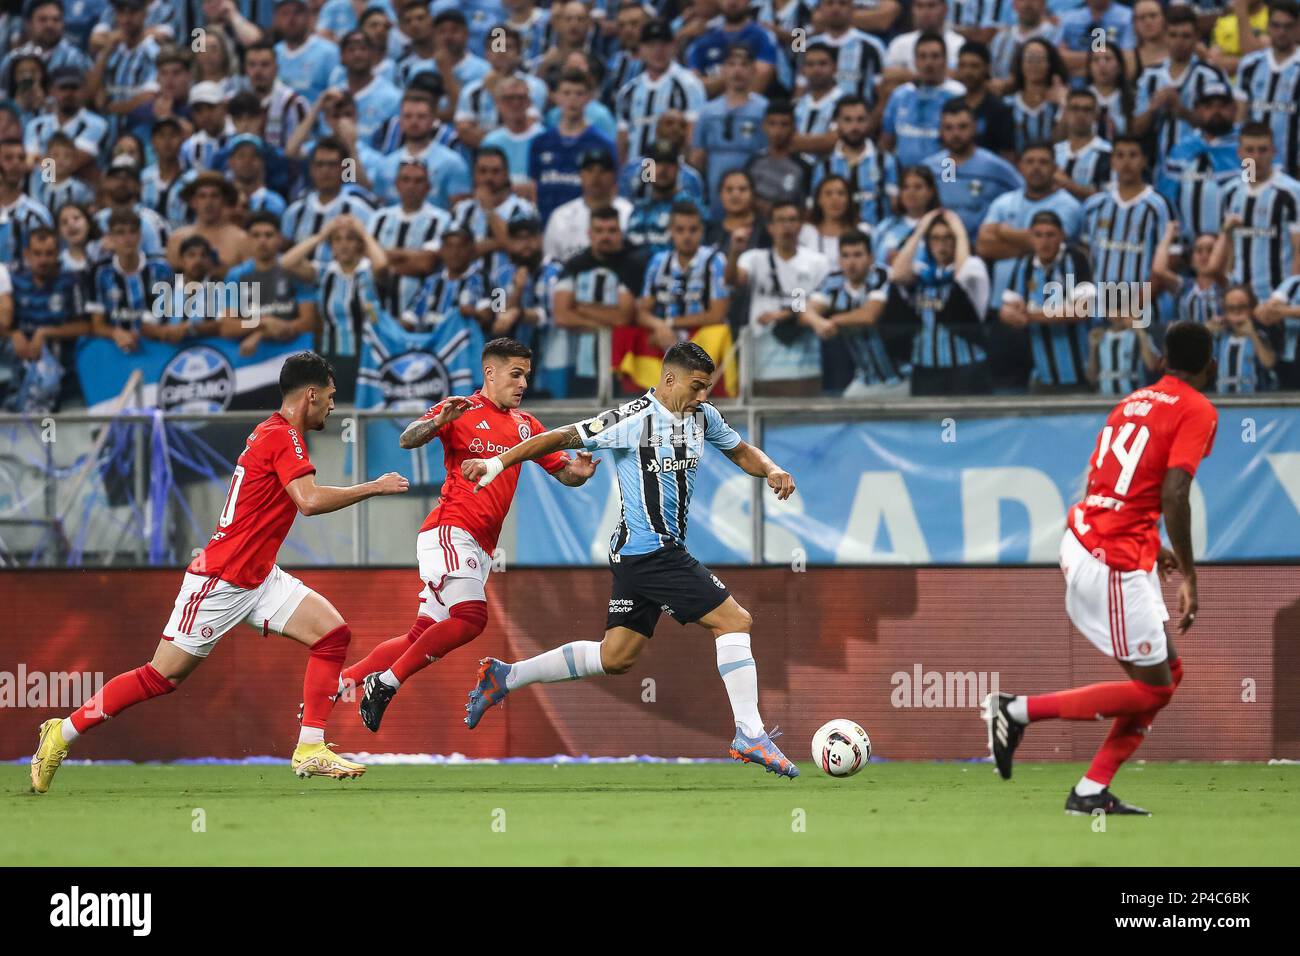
{"x":421,"y":431}
{"x":314,"y":499}
{"x":754,"y":461}
{"x":483,"y":470}
{"x":1176,"y":505}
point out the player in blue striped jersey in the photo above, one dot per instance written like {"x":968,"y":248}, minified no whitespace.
{"x":1168,"y":92}
{"x":969,"y":177}
{"x":1083,"y":156}
{"x":1123,"y":224}
{"x":1202,"y":163}
{"x":1260,"y":241}
{"x":1280,"y":315}
{"x":656,"y":442}
{"x":663,"y":85}
{"x":411,"y":225}
{"x":872,"y":172}
{"x":1268,"y":84}
{"x":912,"y":118}
{"x":1040,"y":297}
{"x":305,"y":59}
{"x":838,"y":314}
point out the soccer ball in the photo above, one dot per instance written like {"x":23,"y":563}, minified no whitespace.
{"x":841,"y":748}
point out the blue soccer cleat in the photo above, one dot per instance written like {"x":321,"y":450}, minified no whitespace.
{"x":761,"y":750}
{"x":490,"y":689}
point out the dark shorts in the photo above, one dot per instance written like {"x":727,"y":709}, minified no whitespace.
{"x":646,"y":585}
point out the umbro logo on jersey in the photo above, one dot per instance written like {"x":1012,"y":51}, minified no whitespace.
{"x":484,"y":426}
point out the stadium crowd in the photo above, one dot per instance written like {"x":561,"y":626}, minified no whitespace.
{"x":917,"y":197}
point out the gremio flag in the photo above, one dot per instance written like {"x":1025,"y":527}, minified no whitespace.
{"x":408,"y":372}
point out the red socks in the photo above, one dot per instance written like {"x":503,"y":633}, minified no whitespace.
{"x":1126,"y":735}
{"x":385,"y":655}
{"x":322,"y":680}
{"x":1111,"y":699}
{"x":123,"y":691}
{"x":438,"y":640}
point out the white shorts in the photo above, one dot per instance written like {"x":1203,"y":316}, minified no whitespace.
{"x":1122,"y":612}
{"x":453,"y":568}
{"x":207,"y":608}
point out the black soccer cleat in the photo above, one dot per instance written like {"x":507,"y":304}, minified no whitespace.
{"x":375,"y":701}
{"x":1105,"y":802}
{"x":1004,"y":731}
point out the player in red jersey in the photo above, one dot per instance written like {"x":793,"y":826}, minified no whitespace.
{"x":1111,"y":556}
{"x":455,"y":544}
{"x":235,"y":578}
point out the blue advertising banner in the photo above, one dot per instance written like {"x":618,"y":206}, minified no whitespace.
{"x":200,"y":375}
{"x":951,"y":491}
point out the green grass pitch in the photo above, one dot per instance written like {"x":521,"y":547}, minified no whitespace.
{"x":890,"y":813}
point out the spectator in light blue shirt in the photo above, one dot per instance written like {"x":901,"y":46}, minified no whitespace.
{"x":910,"y":127}
{"x":305,"y":59}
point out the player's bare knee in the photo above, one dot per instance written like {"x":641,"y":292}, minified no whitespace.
{"x":617,"y":661}
{"x":735,"y":620}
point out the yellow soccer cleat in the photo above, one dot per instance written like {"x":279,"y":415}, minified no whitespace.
{"x":50,"y":753}
{"x":317,"y":760}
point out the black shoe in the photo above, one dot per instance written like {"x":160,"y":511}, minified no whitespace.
{"x":1004,"y":732}
{"x":375,"y":701}
{"x":1105,"y":801}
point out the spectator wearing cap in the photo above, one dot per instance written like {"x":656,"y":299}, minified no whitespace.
{"x":410,"y":233}
{"x":730,"y":128}
{"x":125,"y":287}
{"x":52,"y":182}
{"x":376,"y":98}
{"x":48,"y":310}
{"x":305,"y":59}
{"x":566,"y":230}
{"x":707,"y":54}
{"x":1055,"y":333}
{"x":648,"y":231}
{"x":43,"y":29}
{"x":19,"y":212}
{"x":69,"y":115}
{"x":247,"y":170}
{"x":1196,"y":169}
{"x":476,"y":110}
{"x":449,"y":174}
{"x":480,"y":17}
{"x":286,"y":304}
{"x":283,"y":105}
{"x":212,"y":199}
{"x":449,"y":57}
{"x":212,"y":127}
{"x":525,"y":277}
{"x":123,"y":79}
{"x":161,"y":181}
{"x":1167,"y":92}
{"x":634,"y":183}
{"x":247,"y":119}
{"x":664,"y":84}
{"x":553,"y":156}
{"x":518,"y":128}
{"x":491,"y":208}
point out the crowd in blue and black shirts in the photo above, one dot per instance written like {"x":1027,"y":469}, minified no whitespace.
{"x":992,"y":196}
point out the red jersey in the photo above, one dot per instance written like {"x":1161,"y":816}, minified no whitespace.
{"x":258,"y":512}
{"x":483,"y":431}
{"x":1168,"y":425}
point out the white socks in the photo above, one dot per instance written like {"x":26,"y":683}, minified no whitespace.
{"x":311,"y":735}
{"x":1088,"y":788}
{"x":1019,"y":710}
{"x":389,"y":678}
{"x":69,"y":732}
{"x":570,"y":662}
{"x":736,"y":667}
